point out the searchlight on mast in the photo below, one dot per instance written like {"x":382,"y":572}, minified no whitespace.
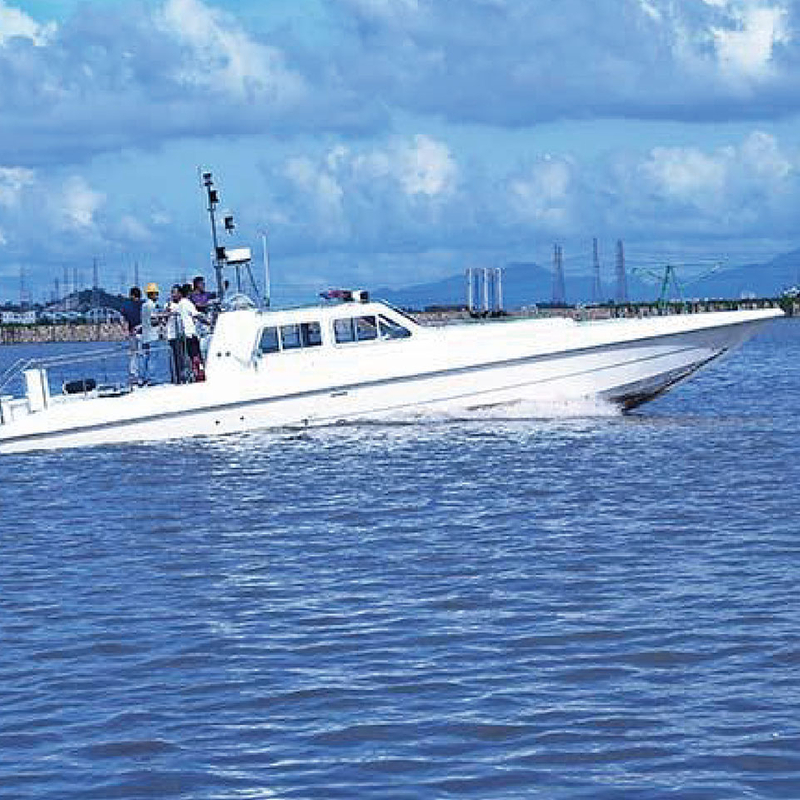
{"x":239,"y":257}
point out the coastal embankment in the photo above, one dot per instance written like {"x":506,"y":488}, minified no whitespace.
{"x":43,"y":334}
{"x":115,"y":332}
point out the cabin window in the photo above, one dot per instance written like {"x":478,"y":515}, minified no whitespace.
{"x":366,"y":329}
{"x":344,"y":330}
{"x":269,"y":341}
{"x":290,"y":337}
{"x":390,"y":329}
{"x":311,"y":334}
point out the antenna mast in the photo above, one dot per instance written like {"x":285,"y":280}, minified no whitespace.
{"x":219,"y":252}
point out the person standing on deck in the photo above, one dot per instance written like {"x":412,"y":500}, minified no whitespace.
{"x":182,"y":334}
{"x":132,"y":312}
{"x":151,"y":333}
{"x":199,"y":296}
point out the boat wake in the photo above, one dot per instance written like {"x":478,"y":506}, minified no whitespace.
{"x":522,"y":410}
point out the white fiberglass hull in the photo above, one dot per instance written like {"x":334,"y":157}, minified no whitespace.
{"x":623,"y":363}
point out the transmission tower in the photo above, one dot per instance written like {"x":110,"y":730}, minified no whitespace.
{"x":597,"y":284}
{"x":559,"y":292}
{"x":24,"y":296}
{"x":135,"y":273}
{"x":622,"y":279}
{"x":95,"y":284}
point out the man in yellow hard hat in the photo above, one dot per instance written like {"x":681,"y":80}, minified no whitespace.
{"x":151,"y":332}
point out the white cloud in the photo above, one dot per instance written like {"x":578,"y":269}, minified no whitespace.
{"x":13,"y":181}
{"x":517,"y":63}
{"x":687,"y":175}
{"x":746,"y":51}
{"x":77,"y":204}
{"x":742,"y":190}
{"x":415,"y":170}
{"x":544,"y":195}
{"x":14,"y":22}
{"x":133,"y":229}
{"x":422,"y":166}
{"x":223,"y":57}
{"x":373,"y":200}
{"x":427,"y":168}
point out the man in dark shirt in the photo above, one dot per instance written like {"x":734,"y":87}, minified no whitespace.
{"x":132,"y":309}
{"x":132,"y":312}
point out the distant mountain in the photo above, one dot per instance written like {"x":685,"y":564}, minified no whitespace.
{"x":761,"y":280}
{"x":526,"y":284}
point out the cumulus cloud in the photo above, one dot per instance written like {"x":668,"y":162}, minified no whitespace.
{"x":48,"y":217}
{"x":747,"y":51}
{"x":742,"y":190}
{"x":368,"y":197}
{"x":363,"y":200}
{"x":144,"y":74}
{"x":417,"y":200}
{"x":15,"y":23}
{"x":220,"y":57}
{"x":141,"y":75}
{"x":362,"y":177}
{"x":422,"y":167}
{"x":518,"y":63}
{"x":13,"y":181}
{"x":545,"y":196}
{"x":77,"y":204}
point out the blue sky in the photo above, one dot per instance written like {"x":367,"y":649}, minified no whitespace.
{"x":388,"y":142}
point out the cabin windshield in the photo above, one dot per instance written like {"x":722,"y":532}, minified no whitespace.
{"x":367,"y":328}
{"x":390,"y":329}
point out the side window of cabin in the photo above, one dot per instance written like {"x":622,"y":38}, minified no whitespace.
{"x":290,"y":337}
{"x":269,"y":341}
{"x":344,"y":330}
{"x":389,"y":329}
{"x":311,"y":334}
{"x":366,"y":329}
{"x":355,"y":329}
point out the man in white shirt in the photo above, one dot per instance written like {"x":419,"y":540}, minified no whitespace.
{"x":182,"y":335}
{"x":151,"y":332}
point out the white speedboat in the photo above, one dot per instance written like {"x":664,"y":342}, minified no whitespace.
{"x":365,"y":360}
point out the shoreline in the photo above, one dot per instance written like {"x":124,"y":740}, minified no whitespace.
{"x":116,"y":332}
{"x":49,"y":334}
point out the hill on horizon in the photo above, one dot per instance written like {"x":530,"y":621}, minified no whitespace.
{"x":528,"y":283}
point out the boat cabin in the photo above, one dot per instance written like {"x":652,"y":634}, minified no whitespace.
{"x":250,"y":336}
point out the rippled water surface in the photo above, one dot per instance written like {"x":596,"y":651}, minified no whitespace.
{"x":491,"y":608}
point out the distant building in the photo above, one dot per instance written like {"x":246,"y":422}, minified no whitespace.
{"x":17,"y":317}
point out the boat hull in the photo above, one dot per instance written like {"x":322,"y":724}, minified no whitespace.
{"x":626,"y":373}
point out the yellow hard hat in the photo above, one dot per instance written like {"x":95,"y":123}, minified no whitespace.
{"x":152,"y":288}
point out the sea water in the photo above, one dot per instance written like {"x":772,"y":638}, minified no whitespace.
{"x":510,"y":606}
